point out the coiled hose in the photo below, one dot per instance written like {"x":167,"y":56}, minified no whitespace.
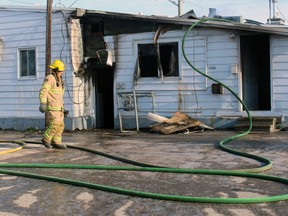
{"x":249,"y":173}
{"x":20,"y":143}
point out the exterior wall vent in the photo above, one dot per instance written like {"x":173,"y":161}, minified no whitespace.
{"x":217,"y":88}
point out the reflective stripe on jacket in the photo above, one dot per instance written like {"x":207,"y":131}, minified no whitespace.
{"x":51,"y":94}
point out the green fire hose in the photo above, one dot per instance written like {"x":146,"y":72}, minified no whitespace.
{"x":249,"y":173}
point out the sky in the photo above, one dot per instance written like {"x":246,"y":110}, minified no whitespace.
{"x":257,"y":10}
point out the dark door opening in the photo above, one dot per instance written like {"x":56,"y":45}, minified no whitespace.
{"x":255,"y":61}
{"x":104,"y":97}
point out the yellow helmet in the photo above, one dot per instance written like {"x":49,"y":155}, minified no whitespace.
{"x":58,"y":65}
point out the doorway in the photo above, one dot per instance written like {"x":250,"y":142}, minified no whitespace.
{"x":104,"y":100}
{"x":255,"y":62}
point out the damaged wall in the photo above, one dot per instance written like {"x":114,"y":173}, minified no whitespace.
{"x":82,"y":89}
{"x":211,"y":51}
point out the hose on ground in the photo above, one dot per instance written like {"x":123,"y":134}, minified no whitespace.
{"x":268,"y":163}
{"x":20,"y":143}
{"x":249,"y":173}
{"x":145,"y":169}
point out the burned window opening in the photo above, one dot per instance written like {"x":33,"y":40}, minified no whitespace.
{"x":148,"y":61}
{"x":97,"y":29}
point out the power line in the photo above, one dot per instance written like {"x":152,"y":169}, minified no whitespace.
{"x":20,"y":2}
{"x":27,"y":3}
{"x":189,"y":2}
{"x":73,"y":3}
{"x":179,"y":5}
{"x":282,"y":14}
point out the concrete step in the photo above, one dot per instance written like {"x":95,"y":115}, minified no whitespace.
{"x":260,"y":124}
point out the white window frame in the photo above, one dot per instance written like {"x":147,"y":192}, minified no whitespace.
{"x":19,"y":63}
{"x":161,"y":41}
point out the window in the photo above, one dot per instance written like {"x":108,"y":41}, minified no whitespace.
{"x":27,"y":62}
{"x":164,"y":64}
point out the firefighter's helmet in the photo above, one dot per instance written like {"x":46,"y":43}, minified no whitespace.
{"x":58,"y":65}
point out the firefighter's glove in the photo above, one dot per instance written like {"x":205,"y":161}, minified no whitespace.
{"x":42,"y":108}
{"x":66,"y":112}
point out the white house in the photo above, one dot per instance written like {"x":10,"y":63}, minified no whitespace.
{"x":22,"y":66}
{"x":121,"y":79}
{"x":249,"y":58}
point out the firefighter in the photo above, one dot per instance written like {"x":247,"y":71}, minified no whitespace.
{"x":51,"y":103}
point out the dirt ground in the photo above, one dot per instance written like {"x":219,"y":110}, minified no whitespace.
{"x":25,"y":196}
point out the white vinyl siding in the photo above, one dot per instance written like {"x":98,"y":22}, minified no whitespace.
{"x":25,"y":30}
{"x":211,"y":53}
{"x":279,"y":54}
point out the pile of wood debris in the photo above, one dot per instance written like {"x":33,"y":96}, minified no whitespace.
{"x":178,"y":123}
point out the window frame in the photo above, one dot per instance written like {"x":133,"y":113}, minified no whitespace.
{"x":160,"y":41}
{"x":28,"y":76}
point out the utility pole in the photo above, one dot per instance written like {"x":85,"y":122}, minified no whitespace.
{"x":48,"y":35}
{"x":275,"y":2}
{"x":48,"y":43}
{"x":273,"y":14}
{"x":179,"y":5}
{"x":270,"y":16}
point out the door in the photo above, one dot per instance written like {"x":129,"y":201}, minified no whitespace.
{"x":104,"y":97}
{"x":255,"y":61}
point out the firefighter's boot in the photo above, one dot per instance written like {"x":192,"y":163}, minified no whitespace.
{"x":46,"y":144}
{"x":58,"y":146}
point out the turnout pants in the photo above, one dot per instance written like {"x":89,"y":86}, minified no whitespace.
{"x":55,"y":127}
